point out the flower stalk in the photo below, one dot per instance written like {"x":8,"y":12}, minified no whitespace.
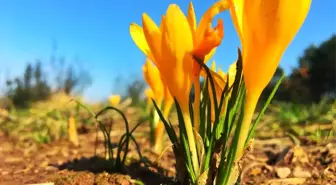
{"x":191,"y":140}
{"x":197,"y":104}
{"x":250,"y":105}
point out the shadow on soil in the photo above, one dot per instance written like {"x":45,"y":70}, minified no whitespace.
{"x":146,"y":172}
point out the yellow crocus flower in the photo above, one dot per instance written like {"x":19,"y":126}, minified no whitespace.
{"x":174,"y":30}
{"x":204,"y":41}
{"x":173,"y":47}
{"x":114,"y":100}
{"x":265,"y":28}
{"x":72,"y":131}
{"x":176,"y":64}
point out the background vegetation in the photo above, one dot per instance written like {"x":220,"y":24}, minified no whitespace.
{"x":307,"y":95}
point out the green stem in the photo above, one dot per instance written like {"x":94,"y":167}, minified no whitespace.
{"x":191,"y":141}
{"x":197,"y":104}
{"x":249,"y":108}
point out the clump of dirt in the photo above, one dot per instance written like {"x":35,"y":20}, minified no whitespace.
{"x":117,"y":179}
{"x":68,"y":177}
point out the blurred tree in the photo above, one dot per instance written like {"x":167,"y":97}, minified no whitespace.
{"x":298,"y":89}
{"x":68,"y":77}
{"x":42,"y":89}
{"x":294,"y":88}
{"x":321,"y":64}
{"x":28,"y":88}
{"x":135,"y":91}
{"x":35,"y":85}
{"x":314,"y":77}
{"x":28,"y":74}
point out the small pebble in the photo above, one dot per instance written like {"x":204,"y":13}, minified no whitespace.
{"x":300,"y":173}
{"x":282,"y":172}
{"x":50,"y":168}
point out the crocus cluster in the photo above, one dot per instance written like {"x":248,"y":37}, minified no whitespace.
{"x":178,"y":49}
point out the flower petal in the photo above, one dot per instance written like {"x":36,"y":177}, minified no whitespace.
{"x":207,"y":18}
{"x":178,"y":37}
{"x":139,"y":39}
{"x":236,"y":11}
{"x":210,"y":55}
{"x":270,"y":25}
{"x":218,"y":79}
{"x":153,"y":78}
{"x":153,"y":36}
{"x":177,"y":42}
{"x":212,"y":38}
{"x":213,"y":66}
{"x":192,"y":21}
{"x":232,"y":73}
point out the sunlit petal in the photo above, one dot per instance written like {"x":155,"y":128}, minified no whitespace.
{"x":207,"y":18}
{"x":139,"y":39}
{"x":192,"y":21}
{"x":153,"y":36}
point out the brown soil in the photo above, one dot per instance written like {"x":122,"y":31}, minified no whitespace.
{"x":25,"y":162}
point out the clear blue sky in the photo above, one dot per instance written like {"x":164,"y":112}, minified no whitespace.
{"x":97,"y":32}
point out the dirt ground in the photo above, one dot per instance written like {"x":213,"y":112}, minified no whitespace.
{"x":269,"y":162}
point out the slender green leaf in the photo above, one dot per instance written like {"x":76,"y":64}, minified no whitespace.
{"x":184,"y":139}
{"x":212,"y":84}
{"x":224,"y":171}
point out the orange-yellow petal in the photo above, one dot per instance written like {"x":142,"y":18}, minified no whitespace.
{"x":236,"y":11}
{"x":270,"y":25}
{"x":153,"y":36}
{"x":192,"y":21}
{"x":221,"y":73}
{"x":149,"y":93}
{"x":213,"y":66}
{"x":153,"y":78}
{"x":212,"y":38}
{"x":207,"y":18}
{"x":232,"y":73}
{"x":177,"y":42}
{"x":139,"y":39}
